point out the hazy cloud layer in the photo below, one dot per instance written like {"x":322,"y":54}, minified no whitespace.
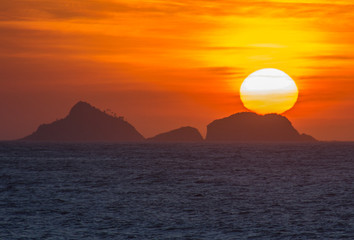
{"x":198,"y":51}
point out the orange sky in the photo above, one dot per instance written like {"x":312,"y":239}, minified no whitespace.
{"x":164,"y":64}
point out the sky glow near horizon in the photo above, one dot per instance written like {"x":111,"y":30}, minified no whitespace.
{"x":166,"y":64}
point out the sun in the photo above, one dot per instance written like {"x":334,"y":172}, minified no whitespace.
{"x":269,"y":90}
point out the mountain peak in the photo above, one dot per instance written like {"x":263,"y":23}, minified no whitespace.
{"x":248,"y":126}
{"x":87,"y":123}
{"x":82,"y":108}
{"x":82,"y":104}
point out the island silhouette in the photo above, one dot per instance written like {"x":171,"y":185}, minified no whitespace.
{"x":251,"y":127}
{"x":86,"y":123}
{"x":183,"y":134}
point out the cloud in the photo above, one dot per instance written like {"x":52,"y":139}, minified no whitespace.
{"x":223,"y":71}
{"x":70,"y":9}
{"x":93,"y":9}
{"x":330,"y":57}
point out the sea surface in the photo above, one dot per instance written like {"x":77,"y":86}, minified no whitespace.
{"x":176,"y":191}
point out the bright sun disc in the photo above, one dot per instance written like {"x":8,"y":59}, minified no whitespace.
{"x":269,"y":90}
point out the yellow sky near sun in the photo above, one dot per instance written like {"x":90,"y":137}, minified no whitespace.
{"x":197,"y":51}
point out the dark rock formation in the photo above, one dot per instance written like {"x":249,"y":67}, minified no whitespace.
{"x":86,"y":123}
{"x":251,"y":127}
{"x":183,"y":134}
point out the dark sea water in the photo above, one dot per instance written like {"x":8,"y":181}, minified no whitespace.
{"x":177,"y":191}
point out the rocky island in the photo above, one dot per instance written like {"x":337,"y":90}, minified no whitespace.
{"x":86,"y":123}
{"x":183,"y":134}
{"x":251,"y":127}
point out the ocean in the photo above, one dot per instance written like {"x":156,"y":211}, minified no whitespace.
{"x":176,"y":191}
